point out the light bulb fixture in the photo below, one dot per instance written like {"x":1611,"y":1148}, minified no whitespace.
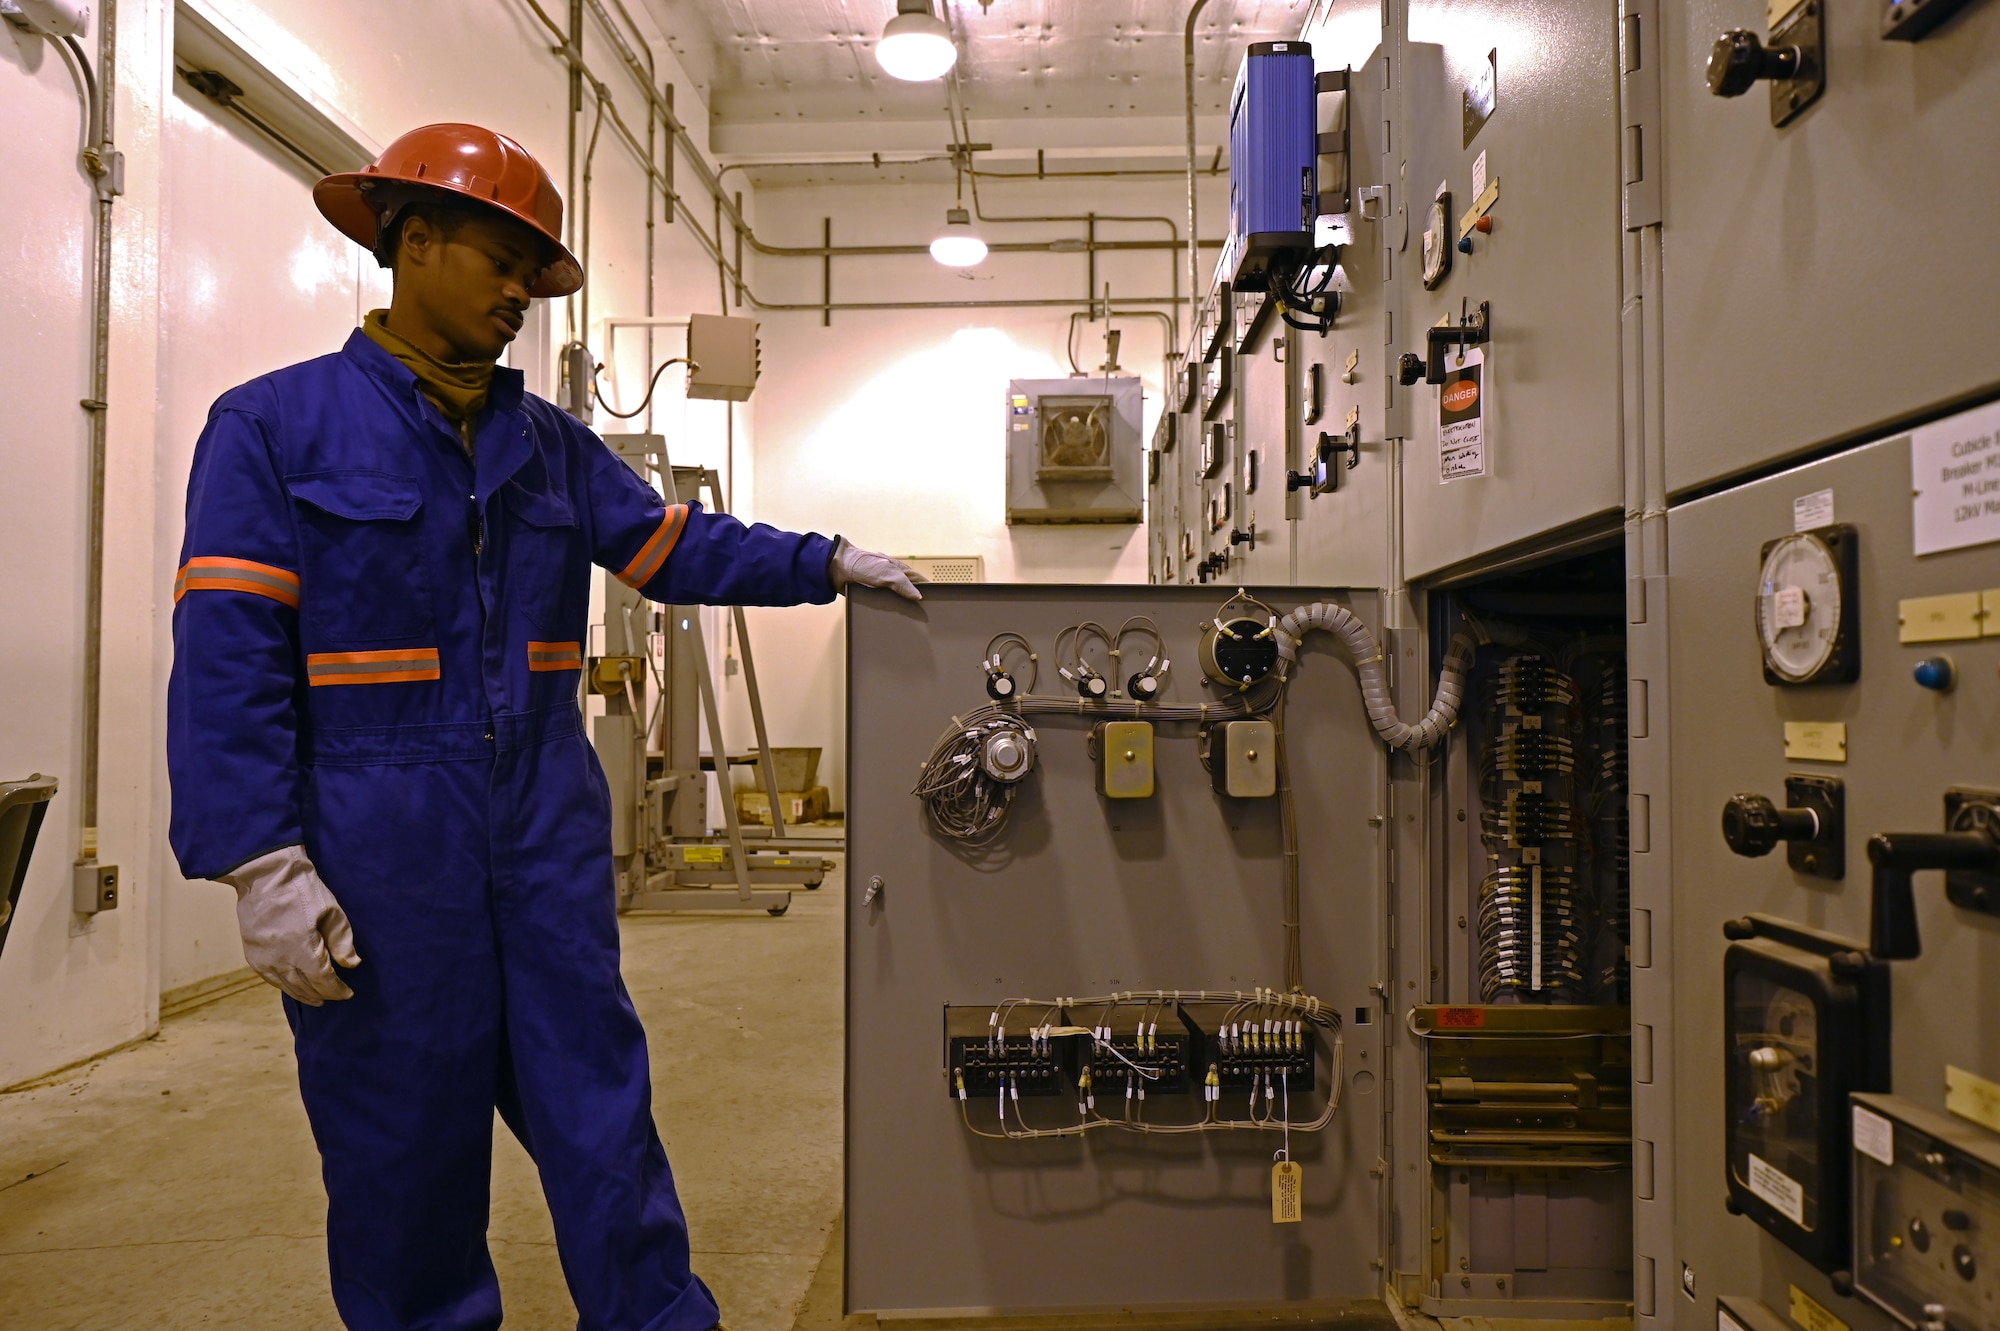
{"x":916,"y":44}
{"x":958,"y":245}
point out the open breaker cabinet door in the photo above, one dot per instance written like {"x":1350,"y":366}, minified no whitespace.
{"x":1039,"y":969}
{"x":1517,"y":998}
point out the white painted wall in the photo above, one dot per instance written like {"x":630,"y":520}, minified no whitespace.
{"x":71,"y":985}
{"x":223,"y":271}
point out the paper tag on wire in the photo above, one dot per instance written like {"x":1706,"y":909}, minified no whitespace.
{"x":1287,"y":1193}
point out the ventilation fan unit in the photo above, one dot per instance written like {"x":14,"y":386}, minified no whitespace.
{"x":1073,"y":450}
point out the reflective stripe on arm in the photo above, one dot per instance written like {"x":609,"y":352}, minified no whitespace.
{"x":213,"y":573}
{"x":652,"y":556}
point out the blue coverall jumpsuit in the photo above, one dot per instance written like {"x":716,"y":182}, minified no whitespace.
{"x":377,"y":647}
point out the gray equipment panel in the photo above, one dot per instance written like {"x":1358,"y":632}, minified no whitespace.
{"x":1082,"y":895}
{"x":1343,"y":535}
{"x":1842,"y":256}
{"x":1905,"y":746}
{"x":1259,"y":413}
{"x":1549,"y":269}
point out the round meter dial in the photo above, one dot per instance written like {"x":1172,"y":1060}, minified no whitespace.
{"x":1805,"y":610}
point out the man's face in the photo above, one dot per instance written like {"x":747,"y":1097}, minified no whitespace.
{"x":471,"y":287}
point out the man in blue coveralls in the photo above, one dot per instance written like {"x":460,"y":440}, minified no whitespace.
{"x":374,"y":736}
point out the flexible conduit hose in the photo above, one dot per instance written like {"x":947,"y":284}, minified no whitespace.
{"x":1343,"y":624}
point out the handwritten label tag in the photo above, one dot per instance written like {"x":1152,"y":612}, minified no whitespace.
{"x":1287,"y":1193}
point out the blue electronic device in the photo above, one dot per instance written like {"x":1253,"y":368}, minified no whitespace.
{"x":1273,"y":145}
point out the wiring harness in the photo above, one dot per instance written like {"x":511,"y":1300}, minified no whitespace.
{"x":1262,"y":1029}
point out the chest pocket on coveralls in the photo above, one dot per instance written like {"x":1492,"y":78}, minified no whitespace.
{"x":544,"y":560}
{"x":366,"y":578}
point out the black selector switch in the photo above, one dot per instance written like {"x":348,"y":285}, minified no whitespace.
{"x":1812,"y":825}
{"x":1753,"y":825}
{"x":1738,"y":60}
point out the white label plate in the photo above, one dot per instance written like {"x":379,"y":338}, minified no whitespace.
{"x":1778,"y":1188}
{"x":1874,"y":1135}
{"x":1813,"y":510}
{"x":1955,"y":478}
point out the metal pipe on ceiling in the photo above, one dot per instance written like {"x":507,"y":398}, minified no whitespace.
{"x":570,"y":50}
{"x":1193,"y":250}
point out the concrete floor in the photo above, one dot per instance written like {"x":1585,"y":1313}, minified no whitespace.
{"x":175,"y":1184}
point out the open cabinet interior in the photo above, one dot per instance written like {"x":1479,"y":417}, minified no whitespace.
{"x":1525,"y":1045}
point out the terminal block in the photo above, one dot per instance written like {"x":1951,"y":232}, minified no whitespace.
{"x":1243,"y":1042}
{"x":1148,"y":1035}
{"x":990,"y":1050}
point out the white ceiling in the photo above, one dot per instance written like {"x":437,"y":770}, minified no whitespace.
{"x":767,"y":63}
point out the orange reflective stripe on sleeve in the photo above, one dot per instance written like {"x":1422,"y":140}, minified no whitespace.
{"x":212,"y":573}
{"x":555,"y":656}
{"x":652,"y":556}
{"x":398,"y":666}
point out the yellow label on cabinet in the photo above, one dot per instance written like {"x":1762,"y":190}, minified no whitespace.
{"x":1812,"y":1315}
{"x":1816,"y":741}
{"x":1941,"y":618}
{"x":1971,"y":1096}
{"x":704,"y":854}
{"x":1288,"y":1183}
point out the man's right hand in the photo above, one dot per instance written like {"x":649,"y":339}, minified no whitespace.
{"x":294,"y":932}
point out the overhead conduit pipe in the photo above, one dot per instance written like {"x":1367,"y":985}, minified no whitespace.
{"x":710,"y":181}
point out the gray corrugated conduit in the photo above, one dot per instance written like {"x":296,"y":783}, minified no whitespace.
{"x":1367,"y":653}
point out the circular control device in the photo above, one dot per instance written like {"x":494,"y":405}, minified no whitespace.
{"x":1805,"y":615}
{"x":1238,"y":652}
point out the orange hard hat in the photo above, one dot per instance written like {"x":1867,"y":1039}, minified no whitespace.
{"x":454,"y":159}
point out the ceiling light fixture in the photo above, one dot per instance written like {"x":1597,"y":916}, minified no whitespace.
{"x":916,"y":44}
{"x":958,"y":245}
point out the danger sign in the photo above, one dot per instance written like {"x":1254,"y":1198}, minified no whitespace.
{"x":1462,"y":417}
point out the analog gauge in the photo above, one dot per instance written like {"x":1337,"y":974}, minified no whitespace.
{"x":1805,"y":610}
{"x":1437,"y":241}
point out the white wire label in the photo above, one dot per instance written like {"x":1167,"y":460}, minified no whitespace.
{"x":1287,"y":1193}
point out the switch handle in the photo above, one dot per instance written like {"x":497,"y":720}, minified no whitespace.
{"x":1896,"y":857}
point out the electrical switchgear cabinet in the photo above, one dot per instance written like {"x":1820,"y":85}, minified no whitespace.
{"x":1827,"y":279}
{"x":1549,"y":269}
{"x":1905,"y":746}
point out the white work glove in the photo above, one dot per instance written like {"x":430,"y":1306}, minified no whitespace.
{"x":850,"y":563}
{"x":293,"y":929}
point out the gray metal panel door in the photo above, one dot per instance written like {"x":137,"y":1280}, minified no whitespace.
{"x":1550,"y":268}
{"x":1259,"y":410}
{"x":1819,"y":278}
{"x":1081,"y":895}
{"x":1905,"y":745}
{"x":1343,"y":535}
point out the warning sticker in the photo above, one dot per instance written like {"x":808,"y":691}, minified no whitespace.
{"x":1778,"y":1188}
{"x":1460,"y":1018}
{"x":1462,"y":417}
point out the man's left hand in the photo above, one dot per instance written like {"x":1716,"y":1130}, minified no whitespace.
{"x":851,"y":563}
